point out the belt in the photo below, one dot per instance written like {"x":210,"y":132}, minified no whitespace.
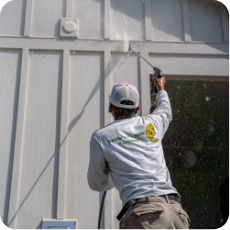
{"x":134,"y":201}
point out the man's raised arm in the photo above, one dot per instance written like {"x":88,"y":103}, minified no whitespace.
{"x":163,"y":108}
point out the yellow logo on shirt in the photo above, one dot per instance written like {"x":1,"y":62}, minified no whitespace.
{"x":150,"y":132}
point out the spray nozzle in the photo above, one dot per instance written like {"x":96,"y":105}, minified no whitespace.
{"x":157,"y":72}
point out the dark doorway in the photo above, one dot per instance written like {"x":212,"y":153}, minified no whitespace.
{"x":196,"y":148}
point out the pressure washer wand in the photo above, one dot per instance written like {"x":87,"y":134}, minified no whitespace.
{"x":130,"y":49}
{"x":157,"y":73}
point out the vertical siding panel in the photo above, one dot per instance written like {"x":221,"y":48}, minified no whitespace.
{"x":107,"y":6}
{"x":90,"y":15}
{"x":86,"y":114}
{"x":108,"y":210}
{"x":28,"y":16}
{"x":117,"y":206}
{"x":144,"y":85}
{"x":125,"y":68}
{"x":63,"y":136}
{"x":46,"y":17}
{"x":205,"y":18}
{"x":108,"y":205}
{"x":225,"y":23}
{"x":12,"y":18}
{"x":148,"y":21}
{"x":39,"y":164}
{"x":107,"y":86}
{"x":15,"y":183}
{"x":186,"y":21}
{"x":171,"y":27}
{"x":127,"y":17}
{"x":69,"y":8}
{"x":10,"y":66}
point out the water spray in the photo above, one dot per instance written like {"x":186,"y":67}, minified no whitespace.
{"x":157,"y":73}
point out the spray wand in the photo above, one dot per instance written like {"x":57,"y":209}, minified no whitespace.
{"x":157,"y":73}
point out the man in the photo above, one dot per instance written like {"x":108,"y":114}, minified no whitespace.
{"x":128,"y":154}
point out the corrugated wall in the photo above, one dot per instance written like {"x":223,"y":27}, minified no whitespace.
{"x":53,"y":91}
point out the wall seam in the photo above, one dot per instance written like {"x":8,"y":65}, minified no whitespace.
{"x":63,"y":137}
{"x":148,"y":21}
{"x":69,"y":7}
{"x":108,"y":214}
{"x":28,"y":18}
{"x":186,"y":21}
{"x":18,"y":149}
{"x":107,"y":19}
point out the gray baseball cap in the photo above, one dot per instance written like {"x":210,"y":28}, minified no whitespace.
{"x":124,"y":91}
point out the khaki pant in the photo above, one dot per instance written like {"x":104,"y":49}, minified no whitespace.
{"x":156,"y":212}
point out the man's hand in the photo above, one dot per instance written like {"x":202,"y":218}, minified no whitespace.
{"x":159,"y":83}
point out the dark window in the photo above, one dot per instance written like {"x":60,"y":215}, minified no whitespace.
{"x":196,"y":148}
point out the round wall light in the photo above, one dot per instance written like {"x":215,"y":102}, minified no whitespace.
{"x":69,"y":27}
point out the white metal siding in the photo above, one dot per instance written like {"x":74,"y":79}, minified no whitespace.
{"x":200,"y":65}
{"x":46,"y":16}
{"x":171,"y":28}
{"x":205,"y":21}
{"x":53,"y":91}
{"x":85,"y":116}
{"x":91,"y":21}
{"x":39,"y":168}
{"x":12,"y":18}
{"x":127,"y":14}
{"x":9,"y":87}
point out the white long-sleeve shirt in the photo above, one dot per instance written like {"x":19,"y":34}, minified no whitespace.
{"x":128,"y":154}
